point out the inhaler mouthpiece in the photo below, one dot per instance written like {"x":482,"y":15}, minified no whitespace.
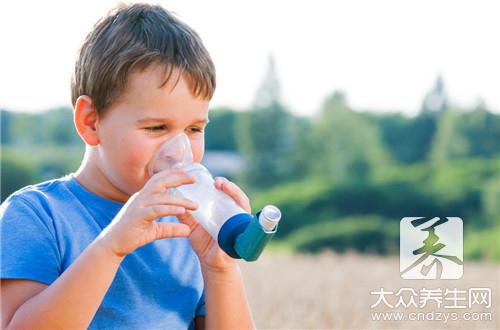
{"x":269,"y":217}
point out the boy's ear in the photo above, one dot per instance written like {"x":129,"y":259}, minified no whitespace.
{"x":86,"y":119}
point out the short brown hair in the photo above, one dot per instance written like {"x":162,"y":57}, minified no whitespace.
{"x":132,"y":37}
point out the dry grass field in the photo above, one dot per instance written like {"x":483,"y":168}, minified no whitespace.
{"x":332,"y":291}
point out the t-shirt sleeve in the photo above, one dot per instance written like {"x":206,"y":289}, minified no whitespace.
{"x":28,"y":246}
{"x":200,"y":309}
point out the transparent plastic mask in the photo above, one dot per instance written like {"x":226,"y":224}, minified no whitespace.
{"x":174,"y":153}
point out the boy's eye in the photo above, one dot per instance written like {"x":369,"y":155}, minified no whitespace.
{"x":156,"y":128}
{"x":196,"y":130}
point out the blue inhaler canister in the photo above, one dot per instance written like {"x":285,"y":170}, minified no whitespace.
{"x":238,"y":233}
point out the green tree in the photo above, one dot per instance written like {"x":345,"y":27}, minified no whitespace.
{"x":58,"y":127}
{"x":481,"y":128}
{"x":304,"y":144}
{"x":15,"y":173}
{"x":490,"y":200}
{"x":220,"y":133}
{"x":265,"y":135}
{"x":448,"y":142}
{"x":407,"y":139}
{"x":347,"y":147}
{"x":27,"y":129}
{"x":5,"y":126}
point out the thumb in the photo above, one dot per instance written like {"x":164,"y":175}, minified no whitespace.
{"x":168,"y":230}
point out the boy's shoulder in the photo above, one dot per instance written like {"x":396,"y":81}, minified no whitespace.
{"x":39,"y":194}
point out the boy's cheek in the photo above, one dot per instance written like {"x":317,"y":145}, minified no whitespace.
{"x":199,"y":157}
{"x":198,"y":148}
{"x":133,"y":171}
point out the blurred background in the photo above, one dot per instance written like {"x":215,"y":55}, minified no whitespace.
{"x":348,"y":115}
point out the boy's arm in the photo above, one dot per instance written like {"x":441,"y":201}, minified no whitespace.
{"x":225,"y":299}
{"x":226,"y":305}
{"x":70,"y":301}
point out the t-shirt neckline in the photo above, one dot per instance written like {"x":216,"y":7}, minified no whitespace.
{"x":85,"y":195}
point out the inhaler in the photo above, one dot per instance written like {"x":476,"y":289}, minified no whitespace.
{"x":238,"y":233}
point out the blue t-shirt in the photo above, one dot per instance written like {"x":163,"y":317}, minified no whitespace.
{"x":45,"y":227}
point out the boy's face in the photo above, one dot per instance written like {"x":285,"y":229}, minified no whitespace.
{"x":144,"y":117}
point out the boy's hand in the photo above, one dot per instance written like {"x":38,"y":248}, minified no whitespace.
{"x":211,"y":256}
{"x":134,"y":225}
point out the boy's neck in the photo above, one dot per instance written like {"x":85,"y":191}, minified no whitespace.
{"x":93,"y":179}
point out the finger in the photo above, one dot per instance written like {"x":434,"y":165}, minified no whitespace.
{"x":188,"y":219}
{"x":156,"y":211}
{"x":168,"y":229}
{"x":234,"y":192}
{"x":163,"y":180}
{"x":218,"y":182}
{"x":169,"y":199}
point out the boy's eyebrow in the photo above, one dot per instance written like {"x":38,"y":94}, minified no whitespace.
{"x":152,"y":119}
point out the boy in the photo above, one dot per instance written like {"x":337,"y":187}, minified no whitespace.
{"x":108,"y":246}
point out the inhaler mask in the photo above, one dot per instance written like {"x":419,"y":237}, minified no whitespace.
{"x":174,"y":153}
{"x":238,"y":233}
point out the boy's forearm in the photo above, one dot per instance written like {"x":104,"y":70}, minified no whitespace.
{"x":72,"y":300}
{"x":226,"y":302}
